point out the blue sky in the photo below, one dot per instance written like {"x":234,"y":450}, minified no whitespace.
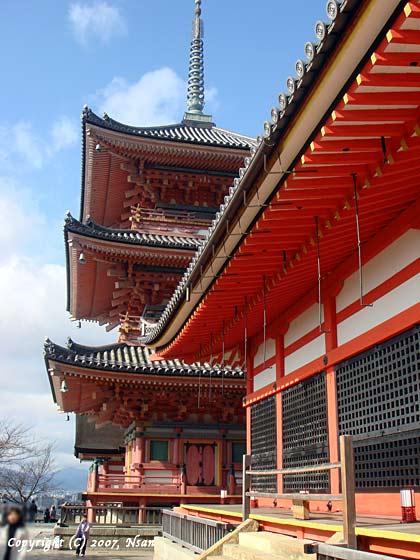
{"x":129,"y":57}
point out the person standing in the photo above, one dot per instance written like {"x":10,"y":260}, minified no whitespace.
{"x":47,"y":515}
{"x":82,"y":536}
{"x":53,"y":515}
{"x":3,"y":513}
{"x":13,"y":531}
{"x":33,"y":510}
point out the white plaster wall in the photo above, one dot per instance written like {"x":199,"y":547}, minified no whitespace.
{"x":115,"y":468}
{"x":265,"y":378}
{"x":386,"y":307}
{"x":165,"y":476}
{"x":303,"y":324}
{"x":270,"y":351}
{"x":304,"y":355}
{"x":402,"y":252}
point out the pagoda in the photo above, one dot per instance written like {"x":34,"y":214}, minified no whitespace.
{"x":148,"y":197}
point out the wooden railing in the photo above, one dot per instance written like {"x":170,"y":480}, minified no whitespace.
{"x":346,"y":465}
{"x":195,"y":533}
{"x":71,"y":514}
{"x":137,"y":482}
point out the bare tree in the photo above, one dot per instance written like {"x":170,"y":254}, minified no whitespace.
{"x":15,"y":443}
{"x":29,"y":477}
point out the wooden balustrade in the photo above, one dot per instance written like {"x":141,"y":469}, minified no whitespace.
{"x":111,"y":514}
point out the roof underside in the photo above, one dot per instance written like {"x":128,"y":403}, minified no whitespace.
{"x":370,"y":138}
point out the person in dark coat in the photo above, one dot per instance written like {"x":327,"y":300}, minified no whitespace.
{"x":47,"y":515}
{"x":33,"y":510}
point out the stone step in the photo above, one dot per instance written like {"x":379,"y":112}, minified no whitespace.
{"x":282,"y":546}
{"x":238,"y":552}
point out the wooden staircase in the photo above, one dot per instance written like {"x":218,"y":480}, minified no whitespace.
{"x":265,"y":546}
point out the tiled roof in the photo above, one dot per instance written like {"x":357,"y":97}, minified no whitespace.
{"x":130,"y":359}
{"x":187,"y":132}
{"x":129,"y":237}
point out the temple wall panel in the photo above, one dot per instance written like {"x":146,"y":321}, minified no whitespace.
{"x":265,"y":377}
{"x":270,"y":351}
{"x":302,"y":325}
{"x":399,"y":254}
{"x":397,"y":300}
{"x":310,"y":351}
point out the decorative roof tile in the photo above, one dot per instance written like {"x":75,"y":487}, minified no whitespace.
{"x":191,"y":132}
{"x":131,"y":359}
{"x":129,"y":237}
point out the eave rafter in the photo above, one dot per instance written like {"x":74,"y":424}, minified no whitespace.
{"x":370,"y":141}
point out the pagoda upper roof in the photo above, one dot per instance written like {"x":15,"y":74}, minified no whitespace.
{"x":122,"y":358}
{"x":190,"y":132}
{"x":128,"y":237}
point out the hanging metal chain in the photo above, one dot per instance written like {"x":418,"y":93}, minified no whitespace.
{"x":223,"y":357}
{"x":318,"y":256}
{"x":211,"y":364}
{"x":359,"y":243}
{"x":264,"y":322}
{"x":246,"y":336}
{"x":199,"y":380}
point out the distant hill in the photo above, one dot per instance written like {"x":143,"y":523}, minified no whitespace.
{"x":72,"y":478}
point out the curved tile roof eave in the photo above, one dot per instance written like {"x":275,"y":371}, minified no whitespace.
{"x":130,"y":359}
{"x":129,"y":237}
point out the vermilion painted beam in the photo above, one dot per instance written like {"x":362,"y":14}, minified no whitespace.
{"x":404,"y":59}
{"x":375,"y":99}
{"x":367,"y":115}
{"x":344,"y":158}
{"x":389,"y":80}
{"x":353,"y":132}
{"x":345,"y":146}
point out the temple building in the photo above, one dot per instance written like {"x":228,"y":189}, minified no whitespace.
{"x":167,"y":431}
{"x":311,"y":270}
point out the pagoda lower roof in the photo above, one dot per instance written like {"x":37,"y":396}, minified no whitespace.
{"x":129,"y":237}
{"x":123,"y":358}
{"x":191,"y":132}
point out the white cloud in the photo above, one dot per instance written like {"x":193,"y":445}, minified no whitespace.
{"x":27,"y":145}
{"x":64,"y":134}
{"x":32,"y":302}
{"x":100,"y":20}
{"x":157,"y":98}
{"x":19,"y":143}
{"x":19,"y":214}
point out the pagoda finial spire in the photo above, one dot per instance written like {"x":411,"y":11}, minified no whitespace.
{"x":195,"y":92}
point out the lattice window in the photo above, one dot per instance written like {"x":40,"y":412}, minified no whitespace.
{"x":264,"y":443}
{"x":305,"y":433}
{"x":378,"y":393}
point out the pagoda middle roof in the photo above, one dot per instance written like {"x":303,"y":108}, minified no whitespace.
{"x":129,"y":237}
{"x":190,"y":132}
{"x":123,"y":358}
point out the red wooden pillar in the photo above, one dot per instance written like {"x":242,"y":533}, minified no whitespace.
{"x":279,"y":414}
{"x":142,"y":510}
{"x":330,"y":320}
{"x":177,"y":446}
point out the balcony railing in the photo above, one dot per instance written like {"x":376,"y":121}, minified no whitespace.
{"x":111,"y":514}
{"x":195,"y":533}
{"x":139,"y":483}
